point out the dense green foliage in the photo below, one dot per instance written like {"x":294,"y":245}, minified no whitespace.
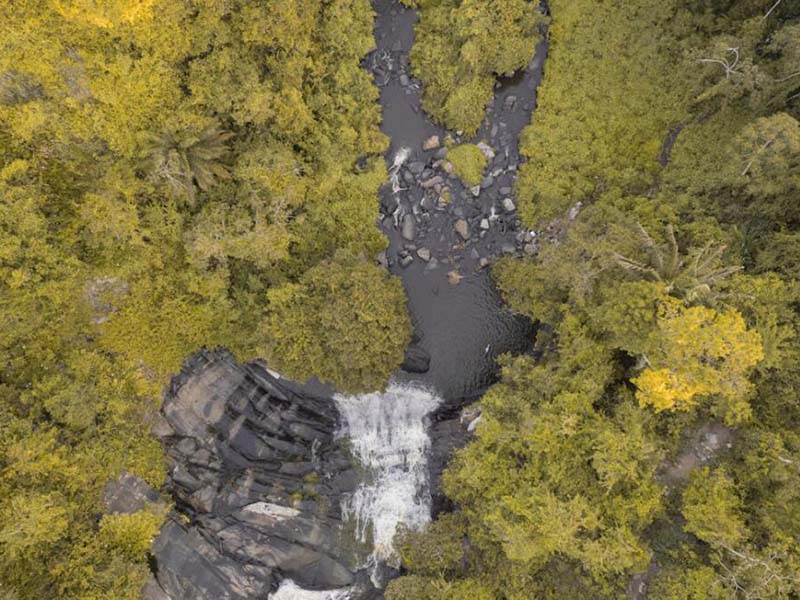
{"x":164,"y":165}
{"x":670,"y":301}
{"x":461,"y":45}
{"x":358,"y":306}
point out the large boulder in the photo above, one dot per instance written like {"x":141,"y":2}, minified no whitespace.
{"x":416,"y":360}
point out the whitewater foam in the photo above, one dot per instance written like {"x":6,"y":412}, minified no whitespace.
{"x":289,"y":590}
{"x":387,"y":433}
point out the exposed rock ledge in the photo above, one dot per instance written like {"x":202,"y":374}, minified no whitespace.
{"x":258,"y":476}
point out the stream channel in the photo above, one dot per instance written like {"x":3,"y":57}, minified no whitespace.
{"x":460,"y":323}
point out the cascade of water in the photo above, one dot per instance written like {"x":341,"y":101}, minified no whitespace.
{"x":400,"y":159}
{"x":387,"y":433}
{"x":289,"y":590}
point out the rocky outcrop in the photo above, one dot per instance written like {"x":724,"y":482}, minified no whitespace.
{"x":416,"y":359}
{"x":257,"y":476}
{"x":128,"y":494}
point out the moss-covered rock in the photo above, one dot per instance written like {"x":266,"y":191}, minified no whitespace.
{"x":469,"y":163}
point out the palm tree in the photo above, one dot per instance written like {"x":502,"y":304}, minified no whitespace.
{"x":690,"y":276}
{"x":186,"y":161}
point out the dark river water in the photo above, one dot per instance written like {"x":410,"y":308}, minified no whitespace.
{"x":462,"y":326}
{"x":457,"y":313}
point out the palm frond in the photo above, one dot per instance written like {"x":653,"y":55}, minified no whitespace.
{"x":188,"y":160}
{"x":636,"y":267}
{"x":667,"y":264}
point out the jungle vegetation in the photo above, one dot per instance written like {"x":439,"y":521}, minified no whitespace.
{"x":657,"y":439}
{"x":468,"y":162}
{"x":185,"y":173}
{"x":173,"y":175}
{"x":458,"y":53}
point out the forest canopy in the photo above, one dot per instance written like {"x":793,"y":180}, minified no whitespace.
{"x":655,"y":442}
{"x":170,"y":173}
{"x":180,"y":174}
{"x":462,"y":46}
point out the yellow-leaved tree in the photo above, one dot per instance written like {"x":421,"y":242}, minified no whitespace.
{"x":105,"y":13}
{"x":698,"y":352}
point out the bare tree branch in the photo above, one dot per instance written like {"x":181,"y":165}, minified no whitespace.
{"x":730,"y":67}
{"x":787,"y":78}
{"x":769,"y":12}
{"x":759,"y":151}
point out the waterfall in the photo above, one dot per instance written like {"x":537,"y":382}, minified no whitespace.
{"x":387,"y":433}
{"x":400,"y":159}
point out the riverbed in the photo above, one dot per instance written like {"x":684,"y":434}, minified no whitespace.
{"x":459,"y":318}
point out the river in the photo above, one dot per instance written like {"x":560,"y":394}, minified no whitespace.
{"x":463,"y":327}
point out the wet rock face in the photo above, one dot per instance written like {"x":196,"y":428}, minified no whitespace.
{"x":257,"y":477}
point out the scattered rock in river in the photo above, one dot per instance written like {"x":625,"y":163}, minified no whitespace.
{"x":409,"y":227}
{"x":416,"y":360}
{"x":462,"y":228}
{"x":432,"y":143}
{"x":487,"y":150}
{"x":432,"y":182}
{"x":424,"y":254}
{"x":508,"y":205}
{"x":485,"y":224}
{"x":406,"y":260}
{"x":454,"y":277}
